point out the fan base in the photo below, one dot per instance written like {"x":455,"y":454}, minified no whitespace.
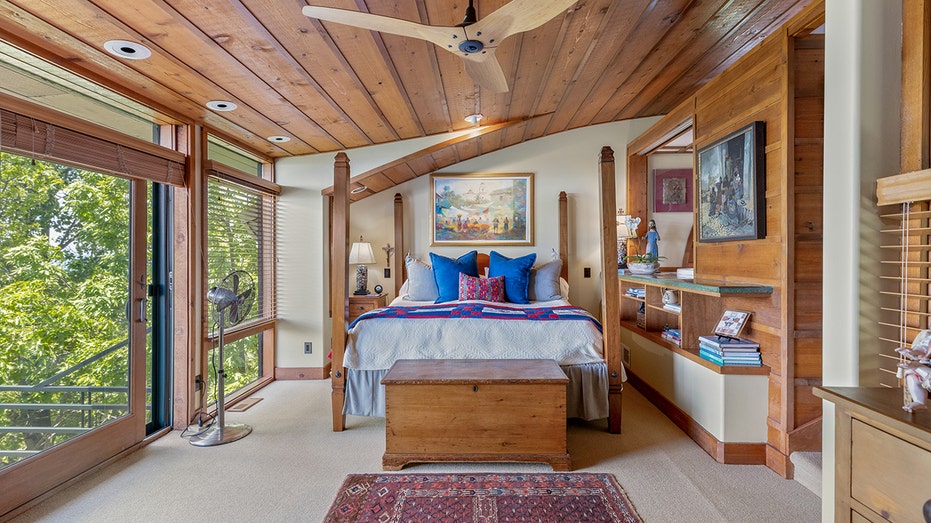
{"x":219,"y":435}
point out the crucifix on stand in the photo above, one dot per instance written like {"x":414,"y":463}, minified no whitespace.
{"x":388,"y":250}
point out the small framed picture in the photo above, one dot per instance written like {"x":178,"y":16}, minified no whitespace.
{"x":731,"y":323}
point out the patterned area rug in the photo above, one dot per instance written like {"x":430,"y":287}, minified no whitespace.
{"x":481,"y":498}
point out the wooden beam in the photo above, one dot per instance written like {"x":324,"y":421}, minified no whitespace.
{"x":610,"y":292}
{"x":339,"y":285}
{"x":360,"y":180}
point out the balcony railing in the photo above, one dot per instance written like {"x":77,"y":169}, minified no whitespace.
{"x":90,"y":407}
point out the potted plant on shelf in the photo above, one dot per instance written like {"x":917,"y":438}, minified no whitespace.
{"x":643,"y":263}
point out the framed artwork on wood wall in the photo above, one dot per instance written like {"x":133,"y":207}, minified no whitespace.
{"x":482,"y":209}
{"x":672,"y":190}
{"x":732,"y":186}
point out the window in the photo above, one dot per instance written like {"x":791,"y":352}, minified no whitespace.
{"x":241,"y":224}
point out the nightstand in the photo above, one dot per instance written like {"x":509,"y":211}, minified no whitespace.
{"x":361,"y":303}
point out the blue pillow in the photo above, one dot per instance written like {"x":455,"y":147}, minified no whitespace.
{"x":446,"y":273}
{"x":516,"y":274}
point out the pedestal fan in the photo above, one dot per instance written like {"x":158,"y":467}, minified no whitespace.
{"x":233,"y":299}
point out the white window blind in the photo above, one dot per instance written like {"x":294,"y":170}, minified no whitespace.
{"x":905,"y":282}
{"x":241,"y":225}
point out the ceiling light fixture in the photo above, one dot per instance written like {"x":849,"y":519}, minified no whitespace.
{"x":127,"y":49}
{"x":279,"y":139}
{"x":360,"y":188}
{"x":221,"y":105}
{"x":474,"y":118}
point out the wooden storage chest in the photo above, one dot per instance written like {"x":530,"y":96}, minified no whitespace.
{"x":475,"y":410}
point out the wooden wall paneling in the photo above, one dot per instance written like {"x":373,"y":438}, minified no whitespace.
{"x":916,"y":85}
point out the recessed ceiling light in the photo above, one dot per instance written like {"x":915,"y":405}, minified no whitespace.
{"x":127,"y":49}
{"x":221,"y":105}
{"x":473,"y":118}
{"x":279,"y":139}
{"x":360,"y":188}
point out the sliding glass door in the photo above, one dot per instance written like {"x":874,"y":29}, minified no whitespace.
{"x":73,"y":321}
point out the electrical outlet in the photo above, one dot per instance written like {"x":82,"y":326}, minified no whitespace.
{"x":308,"y":347}
{"x":198,"y":382}
{"x":626,"y":356}
{"x":587,"y":272}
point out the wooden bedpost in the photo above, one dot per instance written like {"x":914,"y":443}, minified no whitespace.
{"x":400,"y":269}
{"x":609,"y":289}
{"x":564,"y":234}
{"x":339,"y":285}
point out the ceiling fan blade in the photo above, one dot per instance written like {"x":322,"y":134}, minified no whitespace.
{"x":441,"y":36}
{"x":518,"y":16}
{"x":486,"y":71}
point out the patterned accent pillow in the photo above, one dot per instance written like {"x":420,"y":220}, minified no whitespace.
{"x":488,"y":289}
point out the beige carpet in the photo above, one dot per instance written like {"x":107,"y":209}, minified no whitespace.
{"x":290,"y":467}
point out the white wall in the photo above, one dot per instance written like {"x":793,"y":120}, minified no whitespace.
{"x":563,"y":162}
{"x":673,"y":227}
{"x":862,"y":126}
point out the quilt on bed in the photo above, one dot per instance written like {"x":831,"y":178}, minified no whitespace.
{"x":473,"y":330}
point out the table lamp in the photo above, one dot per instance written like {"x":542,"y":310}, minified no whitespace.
{"x":360,"y":254}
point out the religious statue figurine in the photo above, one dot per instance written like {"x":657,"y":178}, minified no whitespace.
{"x":916,"y":373}
{"x":652,"y":237}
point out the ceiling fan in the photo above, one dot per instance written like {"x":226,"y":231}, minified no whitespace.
{"x":473,"y":40}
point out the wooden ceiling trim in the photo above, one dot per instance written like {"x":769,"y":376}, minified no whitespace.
{"x":728,"y":49}
{"x":375,"y":127}
{"x":682,"y":34}
{"x":438,"y":151}
{"x":359,"y":119}
{"x":399,"y":174}
{"x":251,"y":61}
{"x":583,"y":50}
{"x":618,"y":22}
{"x":179,"y":48}
{"x":68,"y":17}
{"x":723,"y":26}
{"x":649,"y":31}
{"x":556,"y":35}
{"x":367,"y":115}
{"x":401,"y":112}
{"x":35,"y":35}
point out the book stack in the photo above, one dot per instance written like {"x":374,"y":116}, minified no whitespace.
{"x":672,"y":307}
{"x":722,"y":350}
{"x":637,"y":292}
{"x":672,"y":335}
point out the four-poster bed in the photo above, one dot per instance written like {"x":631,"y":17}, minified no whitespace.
{"x":363,"y":352}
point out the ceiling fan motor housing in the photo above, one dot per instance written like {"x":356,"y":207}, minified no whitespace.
{"x":471,"y":46}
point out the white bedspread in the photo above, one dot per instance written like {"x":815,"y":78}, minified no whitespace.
{"x":375,"y":344}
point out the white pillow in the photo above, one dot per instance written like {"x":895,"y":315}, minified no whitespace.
{"x":421,"y":284}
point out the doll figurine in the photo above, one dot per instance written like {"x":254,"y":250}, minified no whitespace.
{"x":652,"y":237}
{"x":916,"y":373}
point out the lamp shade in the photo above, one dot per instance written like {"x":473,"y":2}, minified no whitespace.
{"x":361,"y":253}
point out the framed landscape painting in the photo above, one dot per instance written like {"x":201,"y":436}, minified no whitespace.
{"x":732,"y":186}
{"x":482,"y":209}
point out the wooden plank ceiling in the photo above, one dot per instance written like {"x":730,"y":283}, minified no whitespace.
{"x":331,"y":87}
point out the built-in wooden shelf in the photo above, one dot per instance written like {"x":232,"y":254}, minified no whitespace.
{"x":702,"y":303}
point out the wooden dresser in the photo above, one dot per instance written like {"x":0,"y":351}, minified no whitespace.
{"x":475,"y":410}
{"x":362,"y":303}
{"x":882,"y":455}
